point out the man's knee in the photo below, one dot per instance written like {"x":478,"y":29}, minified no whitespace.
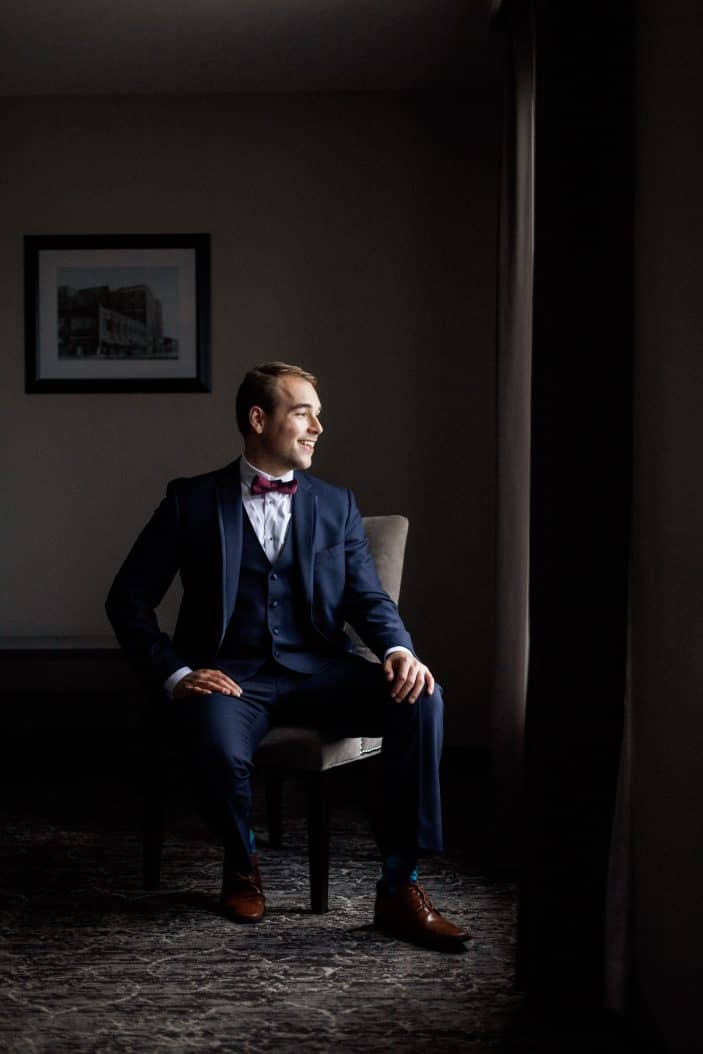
{"x":427,"y":710}
{"x":432,"y":704}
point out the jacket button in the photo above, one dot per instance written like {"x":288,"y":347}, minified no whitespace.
{"x":274,"y":603}
{"x":274,"y":577}
{"x":276,"y":653}
{"x":275,"y":629}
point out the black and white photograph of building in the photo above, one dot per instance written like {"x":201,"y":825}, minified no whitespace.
{"x":117,"y":313}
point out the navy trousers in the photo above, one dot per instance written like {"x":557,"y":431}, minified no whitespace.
{"x":219,"y":734}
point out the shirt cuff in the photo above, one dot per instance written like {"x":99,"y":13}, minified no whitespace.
{"x":397,"y":647}
{"x":178,"y":675}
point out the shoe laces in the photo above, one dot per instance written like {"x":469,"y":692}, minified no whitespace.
{"x":238,"y":880}
{"x":421,"y":894}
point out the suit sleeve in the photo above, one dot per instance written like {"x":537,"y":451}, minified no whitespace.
{"x":138,"y":589}
{"x":367,"y":606}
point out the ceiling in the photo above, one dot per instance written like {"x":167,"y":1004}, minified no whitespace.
{"x":94,"y":47}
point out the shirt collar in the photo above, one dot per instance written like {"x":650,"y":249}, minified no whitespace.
{"x":247,"y":473}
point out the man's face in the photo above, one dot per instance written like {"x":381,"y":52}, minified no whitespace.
{"x":285,"y":439}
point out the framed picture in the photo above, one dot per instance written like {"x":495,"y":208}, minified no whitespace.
{"x":117,"y":313}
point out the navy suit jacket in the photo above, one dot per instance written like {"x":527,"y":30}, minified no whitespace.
{"x":197,"y":531}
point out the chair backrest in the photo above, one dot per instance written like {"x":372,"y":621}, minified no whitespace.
{"x":387,"y":536}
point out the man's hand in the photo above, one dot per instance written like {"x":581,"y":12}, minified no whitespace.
{"x":205,"y":682}
{"x":410,"y":677}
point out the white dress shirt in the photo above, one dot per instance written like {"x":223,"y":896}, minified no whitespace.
{"x":270,"y":515}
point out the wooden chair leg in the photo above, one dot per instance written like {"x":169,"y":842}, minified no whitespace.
{"x":153,"y":836}
{"x":152,"y":780}
{"x":318,"y":842}
{"x":274,"y":809}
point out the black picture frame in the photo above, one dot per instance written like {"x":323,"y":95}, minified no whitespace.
{"x":135,"y":319}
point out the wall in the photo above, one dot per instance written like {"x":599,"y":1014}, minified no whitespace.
{"x":353,"y":234}
{"x":667,"y":674}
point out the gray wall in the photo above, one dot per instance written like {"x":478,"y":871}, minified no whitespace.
{"x":353,"y":234}
{"x":667,"y":675}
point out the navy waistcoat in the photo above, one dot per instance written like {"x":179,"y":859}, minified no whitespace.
{"x":271,"y":618}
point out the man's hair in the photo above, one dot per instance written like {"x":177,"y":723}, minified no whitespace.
{"x":260,"y":388}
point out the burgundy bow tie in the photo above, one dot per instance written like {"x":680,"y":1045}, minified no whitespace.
{"x":261,"y":485}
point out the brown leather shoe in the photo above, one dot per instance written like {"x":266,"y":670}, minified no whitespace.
{"x":242,"y":897}
{"x":411,"y":915}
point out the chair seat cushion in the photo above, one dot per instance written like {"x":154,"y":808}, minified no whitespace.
{"x":304,"y":748}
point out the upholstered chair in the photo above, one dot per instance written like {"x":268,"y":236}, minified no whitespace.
{"x":302,"y":753}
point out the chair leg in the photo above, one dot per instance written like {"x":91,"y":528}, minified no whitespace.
{"x":274,"y":809}
{"x":318,"y":842}
{"x":152,"y":839}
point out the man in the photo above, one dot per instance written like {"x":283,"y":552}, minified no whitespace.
{"x":273,"y":562}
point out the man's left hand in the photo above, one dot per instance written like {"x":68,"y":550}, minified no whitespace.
{"x":409,"y":677}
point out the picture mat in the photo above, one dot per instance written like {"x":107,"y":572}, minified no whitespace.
{"x":52,"y":263}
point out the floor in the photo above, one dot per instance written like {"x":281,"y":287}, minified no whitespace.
{"x":92,"y":962}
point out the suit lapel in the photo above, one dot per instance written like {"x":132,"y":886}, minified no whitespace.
{"x":229,"y":511}
{"x":304,"y":521}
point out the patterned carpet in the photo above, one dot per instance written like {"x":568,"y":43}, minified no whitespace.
{"x":92,"y":963}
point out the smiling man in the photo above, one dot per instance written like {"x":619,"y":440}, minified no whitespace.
{"x":273,"y":563}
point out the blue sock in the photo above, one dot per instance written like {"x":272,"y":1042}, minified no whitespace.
{"x":252,"y":841}
{"x":397,"y":870}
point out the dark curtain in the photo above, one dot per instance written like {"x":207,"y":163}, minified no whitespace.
{"x":514,"y":361}
{"x":580,"y":483}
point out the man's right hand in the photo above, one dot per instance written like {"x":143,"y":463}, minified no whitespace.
{"x":205,"y":682}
